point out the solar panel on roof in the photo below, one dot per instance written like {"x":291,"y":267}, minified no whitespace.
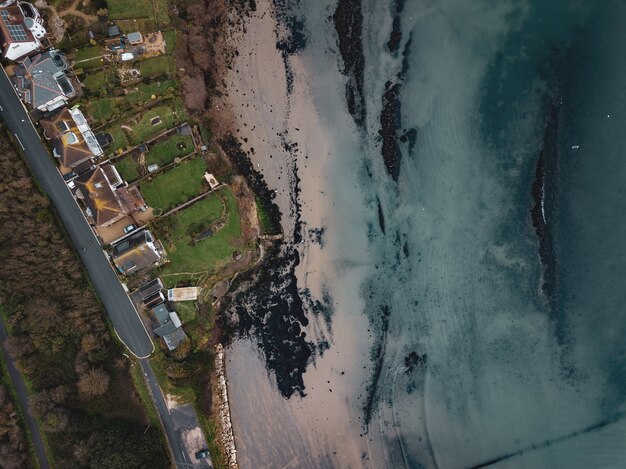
{"x":16,"y":31}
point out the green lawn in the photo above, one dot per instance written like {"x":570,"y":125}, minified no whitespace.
{"x":170,"y":40}
{"x":161,"y":14}
{"x":119,"y":138}
{"x":128,"y":168}
{"x":143,"y":92}
{"x":89,"y":57}
{"x":95,"y":81}
{"x":102,"y":109}
{"x":210,"y":254}
{"x":168,"y":113}
{"x":186,"y":310}
{"x":122,"y":9}
{"x":166,"y":151}
{"x":156,"y":66}
{"x":175,"y":186}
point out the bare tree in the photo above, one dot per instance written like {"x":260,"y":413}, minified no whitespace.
{"x":94,"y":382}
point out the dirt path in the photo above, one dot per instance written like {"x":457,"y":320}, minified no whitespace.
{"x":72,"y":10}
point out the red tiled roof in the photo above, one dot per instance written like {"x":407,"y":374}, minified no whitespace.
{"x":105,"y":202}
{"x":72,"y":150}
{"x":14,"y":17}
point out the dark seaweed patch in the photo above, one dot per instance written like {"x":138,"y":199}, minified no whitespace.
{"x":348,"y":20}
{"x":546,"y":161}
{"x":378,"y":357}
{"x":396,"y":35}
{"x":389,"y":121}
{"x":381,"y":216}
{"x":272,"y":313}
{"x":413,"y":360}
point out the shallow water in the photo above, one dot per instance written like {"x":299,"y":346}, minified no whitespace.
{"x":460,"y":335}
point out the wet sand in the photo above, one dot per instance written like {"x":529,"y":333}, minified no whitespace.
{"x":289,"y":143}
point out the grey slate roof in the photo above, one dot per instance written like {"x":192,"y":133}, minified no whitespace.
{"x":161,"y":313}
{"x":134,"y":37}
{"x":165,"y":329}
{"x":113,"y":31}
{"x":174,"y":338}
{"x":42,"y":78}
{"x":169,"y":326}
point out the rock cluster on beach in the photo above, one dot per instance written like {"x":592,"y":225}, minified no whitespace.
{"x":226,"y":427}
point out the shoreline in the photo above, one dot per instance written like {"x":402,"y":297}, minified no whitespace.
{"x":307,"y":352}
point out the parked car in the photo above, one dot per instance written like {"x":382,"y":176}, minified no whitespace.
{"x":71,"y":184}
{"x":129,"y":228}
{"x":69,"y":176}
{"x":202,"y":454}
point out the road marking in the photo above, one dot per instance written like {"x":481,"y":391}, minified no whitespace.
{"x":1,"y":108}
{"x":18,"y":139}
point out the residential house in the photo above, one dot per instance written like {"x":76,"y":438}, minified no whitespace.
{"x":170,"y":327}
{"x":21,"y":29}
{"x":134,"y":38}
{"x":106,"y":196}
{"x":42,"y":83}
{"x":138,"y":252}
{"x":114,"y":39}
{"x":73,"y":140}
{"x":149,"y":294}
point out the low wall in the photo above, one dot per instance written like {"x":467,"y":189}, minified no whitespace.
{"x":226,"y":428}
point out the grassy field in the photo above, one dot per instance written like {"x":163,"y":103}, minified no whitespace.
{"x":160,"y":10}
{"x":96,"y":81}
{"x":122,"y":9}
{"x":168,"y":113}
{"x":119,"y":138}
{"x":166,"y":151}
{"x":128,"y":168}
{"x":210,"y":254}
{"x":156,"y":66}
{"x":143,"y":92}
{"x":102,"y":109}
{"x":175,"y":186}
{"x":186,"y":310}
{"x":170,"y":40}
{"x":89,"y":57}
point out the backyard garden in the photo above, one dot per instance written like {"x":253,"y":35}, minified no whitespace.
{"x":180,"y":233}
{"x":175,"y":186}
{"x":161,"y":152}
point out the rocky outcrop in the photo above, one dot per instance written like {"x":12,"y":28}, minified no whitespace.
{"x":226,"y":428}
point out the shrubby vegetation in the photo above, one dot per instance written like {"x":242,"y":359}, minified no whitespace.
{"x":81,"y":390}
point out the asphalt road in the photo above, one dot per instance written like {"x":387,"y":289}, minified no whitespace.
{"x":181,"y":458}
{"x":122,"y":313}
{"x":20,"y":390}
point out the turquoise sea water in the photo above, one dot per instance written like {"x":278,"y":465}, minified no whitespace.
{"x":516,"y":347}
{"x":496,"y":342}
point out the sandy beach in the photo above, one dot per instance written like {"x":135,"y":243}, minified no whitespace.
{"x":288,"y":142}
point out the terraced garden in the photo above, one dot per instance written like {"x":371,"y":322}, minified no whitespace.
{"x":176,"y":232}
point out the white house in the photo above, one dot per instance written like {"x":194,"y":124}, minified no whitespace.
{"x":21,"y":29}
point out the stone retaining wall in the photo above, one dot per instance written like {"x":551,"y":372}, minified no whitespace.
{"x":226,"y":428}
